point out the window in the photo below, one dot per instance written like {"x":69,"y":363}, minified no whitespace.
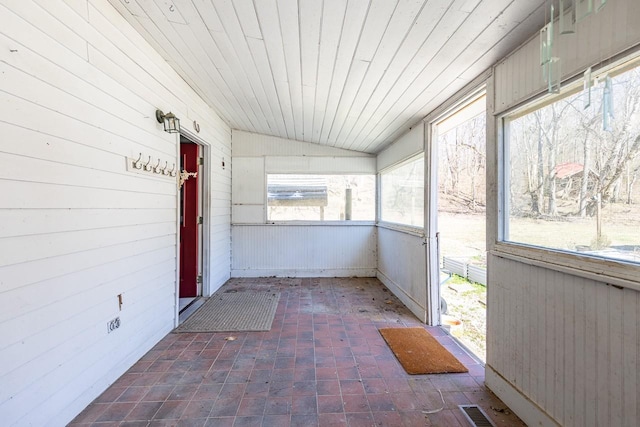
{"x":320,"y":197}
{"x":571,"y":177}
{"x":402,"y":193}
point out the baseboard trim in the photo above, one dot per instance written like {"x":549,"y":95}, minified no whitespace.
{"x":419,"y":311}
{"x":521,"y":405}
{"x":347,"y":272}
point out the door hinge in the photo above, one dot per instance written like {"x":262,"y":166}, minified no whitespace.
{"x":201,"y":160}
{"x":199,"y":278}
{"x":200,"y":219}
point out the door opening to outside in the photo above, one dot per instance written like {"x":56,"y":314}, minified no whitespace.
{"x":461,"y":222}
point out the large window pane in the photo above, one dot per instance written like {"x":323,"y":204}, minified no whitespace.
{"x":572,"y":184}
{"x":320,"y":197}
{"x":403,"y":194}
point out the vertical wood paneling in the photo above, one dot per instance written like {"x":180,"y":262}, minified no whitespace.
{"x":630,"y":359}
{"x":598,"y":37}
{"x":296,"y":250}
{"x":580,"y":338}
{"x":354,"y":74}
{"x":78,"y":92}
{"x":402,"y":264}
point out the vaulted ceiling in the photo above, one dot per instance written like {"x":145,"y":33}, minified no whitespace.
{"x":353,"y":74}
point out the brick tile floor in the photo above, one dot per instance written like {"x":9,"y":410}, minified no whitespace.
{"x":323,"y":363}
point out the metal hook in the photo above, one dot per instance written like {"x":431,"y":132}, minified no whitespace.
{"x":156,"y":168}
{"x":138,"y":163}
{"x":148,"y":166}
{"x":164,"y":170}
{"x":172,"y":172}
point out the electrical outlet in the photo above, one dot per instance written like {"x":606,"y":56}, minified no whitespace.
{"x":112,"y":325}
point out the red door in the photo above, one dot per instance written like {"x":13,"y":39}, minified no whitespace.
{"x":189,"y":223}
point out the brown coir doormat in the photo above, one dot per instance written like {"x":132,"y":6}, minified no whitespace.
{"x":419,"y":352}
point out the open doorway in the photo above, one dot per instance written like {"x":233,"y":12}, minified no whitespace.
{"x":190,"y":223}
{"x":460,"y":159}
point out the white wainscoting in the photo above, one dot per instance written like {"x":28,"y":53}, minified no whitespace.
{"x":304,"y":250}
{"x":402,"y":268}
{"x":563,"y":347}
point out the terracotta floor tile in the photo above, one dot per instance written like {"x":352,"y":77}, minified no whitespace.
{"x":303,"y":405}
{"x":355,"y":403}
{"x":251,"y":421}
{"x":322,"y":363}
{"x":351,"y":387}
{"x":158,"y":393}
{"x":143,"y":411}
{"x":225,"y":407}
{"x":330,"y":404}
{"x":252,"y":406}
{"x":360,"y":419}
{"x":276,"y":421}
{"x":116,"y":412}
{"x":183,"y":392}
{"x":277,"y":406}
{"x":387,"y":418}
{"x":197,"y":409}
{"x":111,"y":394}
{"x":220,"y":422}
{"x":381,"y":402}
{"x":134,"y":424}
{"x":171,"y":410}
{"x":91,"y":413}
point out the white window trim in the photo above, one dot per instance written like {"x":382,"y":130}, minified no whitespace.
{"x":606,"y":270}
{"x":307,"y":222}
{"x":402,"y":228}
{"x":397,"y":226}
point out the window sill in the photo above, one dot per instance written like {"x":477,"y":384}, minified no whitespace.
{"x":406,"y":229}
{"x":617,"y":273}
{"x":310,"y":223}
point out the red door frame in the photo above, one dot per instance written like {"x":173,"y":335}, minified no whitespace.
{"x":189,"y":223}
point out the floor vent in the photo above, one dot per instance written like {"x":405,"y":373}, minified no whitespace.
{"x":476,"y":416}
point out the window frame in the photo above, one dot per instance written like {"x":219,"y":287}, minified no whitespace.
{"x":398,"y":226}
{"x":615,"y":272}
{"x":326,"y":222}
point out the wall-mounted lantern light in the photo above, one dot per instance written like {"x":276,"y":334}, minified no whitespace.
{"x":170,"y":121}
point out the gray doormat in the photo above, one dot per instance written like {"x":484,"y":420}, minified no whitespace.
{"x":233,"y":312}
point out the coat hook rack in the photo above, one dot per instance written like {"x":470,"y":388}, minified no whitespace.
{"x":152,"y":165}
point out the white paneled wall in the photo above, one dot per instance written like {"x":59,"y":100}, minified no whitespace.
{"x":597,"y":38}
{"x":78,"y":91}
{"x":408,"y":145}
{"x":311,"y":249}
{"x":401,"y":254}
{"x":561,"y":349}
{"x":571,"y":345}
{"x":304,"y":250}
{"x":402,"y":268}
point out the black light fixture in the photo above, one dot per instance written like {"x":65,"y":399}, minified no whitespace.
{"x":170,"y":121}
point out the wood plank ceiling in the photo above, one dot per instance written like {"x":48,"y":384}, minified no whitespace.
{"x":353,"y":74}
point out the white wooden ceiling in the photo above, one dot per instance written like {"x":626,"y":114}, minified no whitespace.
{"x":353,"y":74}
